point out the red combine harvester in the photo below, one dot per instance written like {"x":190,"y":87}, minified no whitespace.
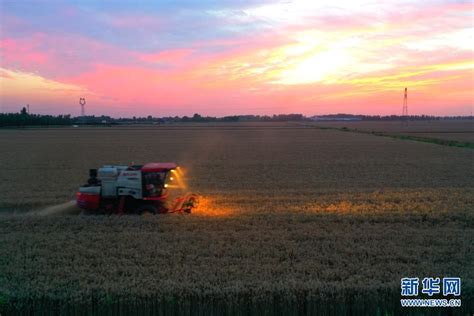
{"x":136,"y":189}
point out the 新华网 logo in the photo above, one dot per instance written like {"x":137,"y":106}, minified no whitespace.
{"x":448,"y":287}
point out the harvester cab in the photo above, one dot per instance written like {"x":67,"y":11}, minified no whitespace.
{"x":141,"y":189}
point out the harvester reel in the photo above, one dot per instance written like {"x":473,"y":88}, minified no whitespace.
{"x":186,"y":203}
{"x":191,"y":203}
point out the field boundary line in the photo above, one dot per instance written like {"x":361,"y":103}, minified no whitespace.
{"x":431,"y":140}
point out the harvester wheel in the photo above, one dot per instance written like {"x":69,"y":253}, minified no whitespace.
{"x":147,"y":210}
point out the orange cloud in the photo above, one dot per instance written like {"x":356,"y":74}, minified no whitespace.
{"x":20,"y":88}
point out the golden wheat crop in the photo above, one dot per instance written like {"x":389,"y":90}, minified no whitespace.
{"x":292,"y":220}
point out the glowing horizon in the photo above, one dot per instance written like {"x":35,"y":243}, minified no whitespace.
{"x":234,"y":57}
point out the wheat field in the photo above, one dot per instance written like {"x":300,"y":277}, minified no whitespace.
{"x":455,"y":130}
{"x":292,"y":220}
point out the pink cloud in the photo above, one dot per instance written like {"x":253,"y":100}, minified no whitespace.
{"x":21,"y":53}
{"x":59,"y":56}
{"x":128,"y":83}
{"x":171,"y":56}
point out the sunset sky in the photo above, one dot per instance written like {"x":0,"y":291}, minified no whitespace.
{"x":236,"y":57}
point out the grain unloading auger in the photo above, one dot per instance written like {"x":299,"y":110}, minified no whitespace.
{"x":136,"y":189}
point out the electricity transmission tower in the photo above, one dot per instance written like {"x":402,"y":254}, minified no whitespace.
{"x":405,"y":107}
{"x":82,"y":102}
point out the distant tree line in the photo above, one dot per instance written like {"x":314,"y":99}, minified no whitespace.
{"x":238,"y":118}
{"x":197,"y":118}
{"x":356,"y":117}
{"x":23,"y":118}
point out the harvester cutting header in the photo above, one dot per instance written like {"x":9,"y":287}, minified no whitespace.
{"x":135,"y":189}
